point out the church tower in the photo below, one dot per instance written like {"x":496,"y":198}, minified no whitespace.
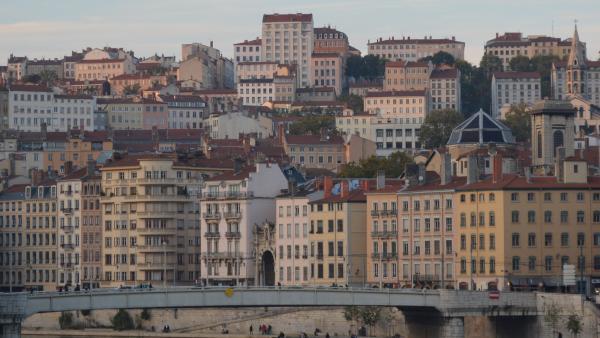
{"x":576,"y":67}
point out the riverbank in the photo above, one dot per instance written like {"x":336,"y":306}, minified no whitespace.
{"x":102,"y":333}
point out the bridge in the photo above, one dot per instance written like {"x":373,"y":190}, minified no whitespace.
{"x":445,"y":309}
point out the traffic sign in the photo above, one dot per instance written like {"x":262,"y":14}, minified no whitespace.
{"x":569,"y":275}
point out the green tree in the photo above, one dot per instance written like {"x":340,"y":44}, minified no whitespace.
{"x":131,"y":89}
{"x":370,"y":315}
{"x":475,"y":88}
{"x":354,"y":102}
{"x":574,"y":325}
{"x":543,"y":65}
{"x":33,"y":78}
{"x":438,"y":126}
{"x":368,"y":67}
{"x":48,"y":77}
{"x":520,"y":63}
{"x":145,"y":315}
{"x":122,"y":321}
{"x":519,"y":121}
{"x":552,"y":316}
{"x":440,"y":58}
{"x":352,"y":314}
{"x":65,"y":321}
{"x":313,"y":124}
{"x":489,"y":64}
{"x":393,"y":166}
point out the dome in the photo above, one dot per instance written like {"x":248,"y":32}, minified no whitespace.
{"x":481,"y":128}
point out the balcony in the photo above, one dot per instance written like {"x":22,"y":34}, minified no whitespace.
{"x":156,"y":214}
{"x":66,"y":211}
{"x":425,"y":278}
{"x":233,"y":215}
{"x":66,"y":265}
{"x":212,"y":234}
{"x":227,"y":195}
{"x":319,"y":256}
{"x":212,"y":215}
{"x":156,"y":248}
{"x":167,"y":230}
{"x":374,"y":213}
{"x":222,"y":255}
{"x":68,"y":246}
{"x":67,"y":192}
{"x":233,"y":234}
{"x":384,"y":234}
{"x":67,"y":228}
{"x":155,"y":265}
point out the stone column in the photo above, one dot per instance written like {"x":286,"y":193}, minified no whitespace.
{"x":12,"y":330}
{"x":453,"y":327}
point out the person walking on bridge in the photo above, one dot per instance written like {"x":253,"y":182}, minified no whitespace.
{"x":251,"y":330}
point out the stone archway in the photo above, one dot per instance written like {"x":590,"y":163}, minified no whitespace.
{"x":268,"y":268}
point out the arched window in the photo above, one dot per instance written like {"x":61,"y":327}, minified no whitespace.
{"x":558,"y":139}
{"x":539,"y":144}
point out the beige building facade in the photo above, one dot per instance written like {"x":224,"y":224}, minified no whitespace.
{"x":410,"y":49}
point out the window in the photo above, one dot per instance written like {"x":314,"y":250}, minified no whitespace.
{"x":548,"y":216}
{"x":514,"y":196}
{"x":564,"y":216}
{"x":515,"y":216}
{"x":531,"y":216}
{"x":548,"y":239}
{"x":516,"y":263}
{"x":580,"y":239}
{"x":580,"y":216}
{"x":515,"y":239}
{"x":564,"y":239}
{"x":531,"y":239}
{"x":531,"y":263}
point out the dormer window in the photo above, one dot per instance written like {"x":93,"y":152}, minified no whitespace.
{"x":28,"y":192}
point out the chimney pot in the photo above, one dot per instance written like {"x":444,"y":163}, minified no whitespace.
{"x":327,"y":185}
{"x":472,"y":169}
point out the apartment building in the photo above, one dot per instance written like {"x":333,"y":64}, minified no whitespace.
{"x":445,"y":89}
{"x":517,"y":232}
{"x":205,"y":65}
{"x":258,"y":91}
{"x":337,"y":234}
{"x":330,"y":40}
{"x":103,"y":69}
{"x":361,"y":89}
{"x":263,"y":70}
{"x":327,"y":70}
{"x":91,"y":227}
{"x":289,"y":39}
{"x":233,"y":125}
{"x":185,"y":111}
{"x":29,"y":106}
{"x":73,"y":112}
{"x":354,"y":123}
{"x":16,"y":67}
{"x":511,"y":44}
{"x":135,"y":113}
{"x":407,"y":75}
{"x":232,"y":205}
{"x":3,"y":108}
{"x":514,"y":88}
{"x":28,"y":236}
{"x":410,"y":49}
{"x":125,"y":83}
{"x":69,"y":63}
{"x":69,"y":229}
{"x":246,"y":51}
{"x":37,"y":67}
{"x":151,"y":220}
{"x":315,"y":151}
{"x":77,"y":147}
{"x":291,"y":241}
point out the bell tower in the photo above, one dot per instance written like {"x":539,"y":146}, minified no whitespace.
{"x":576,"y":67}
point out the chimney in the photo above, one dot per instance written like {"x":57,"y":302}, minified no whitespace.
{"x":327,"y":185}
{"x":421,"y":178}
{"x":365,"y":185}
{"x":496,"y":35}
{"x":155,"y":134}
{"x":497,"y":168}
{"x":211,"y":44}
{"x":446,"y":169}
{"x":12,"y":162}
{"x":91,"y":168}
{"x":453,"y":38}
{"x":380,"y":179}
{"x":36,"y":177}
{"x":237,"y":165}
{"x":527,"y":174}
{"x":68,"y":167}
{"x":344,"y":189}
{"x":472,"y":169}
{"x":281,"y":132}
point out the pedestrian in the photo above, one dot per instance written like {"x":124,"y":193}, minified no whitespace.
{"x":251,"y":330}
{"x":327,"y":335}
{"x":269,"y":329}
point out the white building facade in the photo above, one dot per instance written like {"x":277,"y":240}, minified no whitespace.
{"x":513,"y":88}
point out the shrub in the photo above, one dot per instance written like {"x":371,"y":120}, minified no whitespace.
{"x":122,"y":321}
{"x":145,"y":315}
{"x":65,"y":321}
{"x":85,"y":313}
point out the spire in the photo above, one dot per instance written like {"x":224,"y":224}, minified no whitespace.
{"x":576,"y":55}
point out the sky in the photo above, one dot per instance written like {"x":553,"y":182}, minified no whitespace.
{"x":53,"y":28}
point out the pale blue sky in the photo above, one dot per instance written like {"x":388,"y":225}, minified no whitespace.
{"x":52,"y":28}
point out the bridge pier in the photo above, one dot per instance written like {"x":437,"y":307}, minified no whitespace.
{"x":430,"y":324}
{"x":10,"y":330}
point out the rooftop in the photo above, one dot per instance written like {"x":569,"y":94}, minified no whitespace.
{"x":481,"y":128}
{"x":276,"y":17}
{"x":517,"y":75}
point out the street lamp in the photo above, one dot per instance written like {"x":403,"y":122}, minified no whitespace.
{"x":164,"y":245}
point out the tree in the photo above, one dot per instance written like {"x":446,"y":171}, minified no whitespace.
{"x":393,"y":166}
{"x":475,"y":88}
{"x":33,"y":78}
{"x":48,"y":77}
{"x":313,"y":124}
{"x":65,"y":321}
{"x":438,"y":126}
{"x":354,"y":102}
{"x":122,"y":321}
{"x":352,"y":314}
{"x":368,"y":67}
{"x":520,"y":63}
{"x":543,"y":65}
{"x":489,"y":64}
{"x":440,"y":58}
{"x":145,"y":315}
{"x":518,"y":120}
{"x":131,"y":89}
{"x":552,"y":316}
{"x":574,"y":325}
